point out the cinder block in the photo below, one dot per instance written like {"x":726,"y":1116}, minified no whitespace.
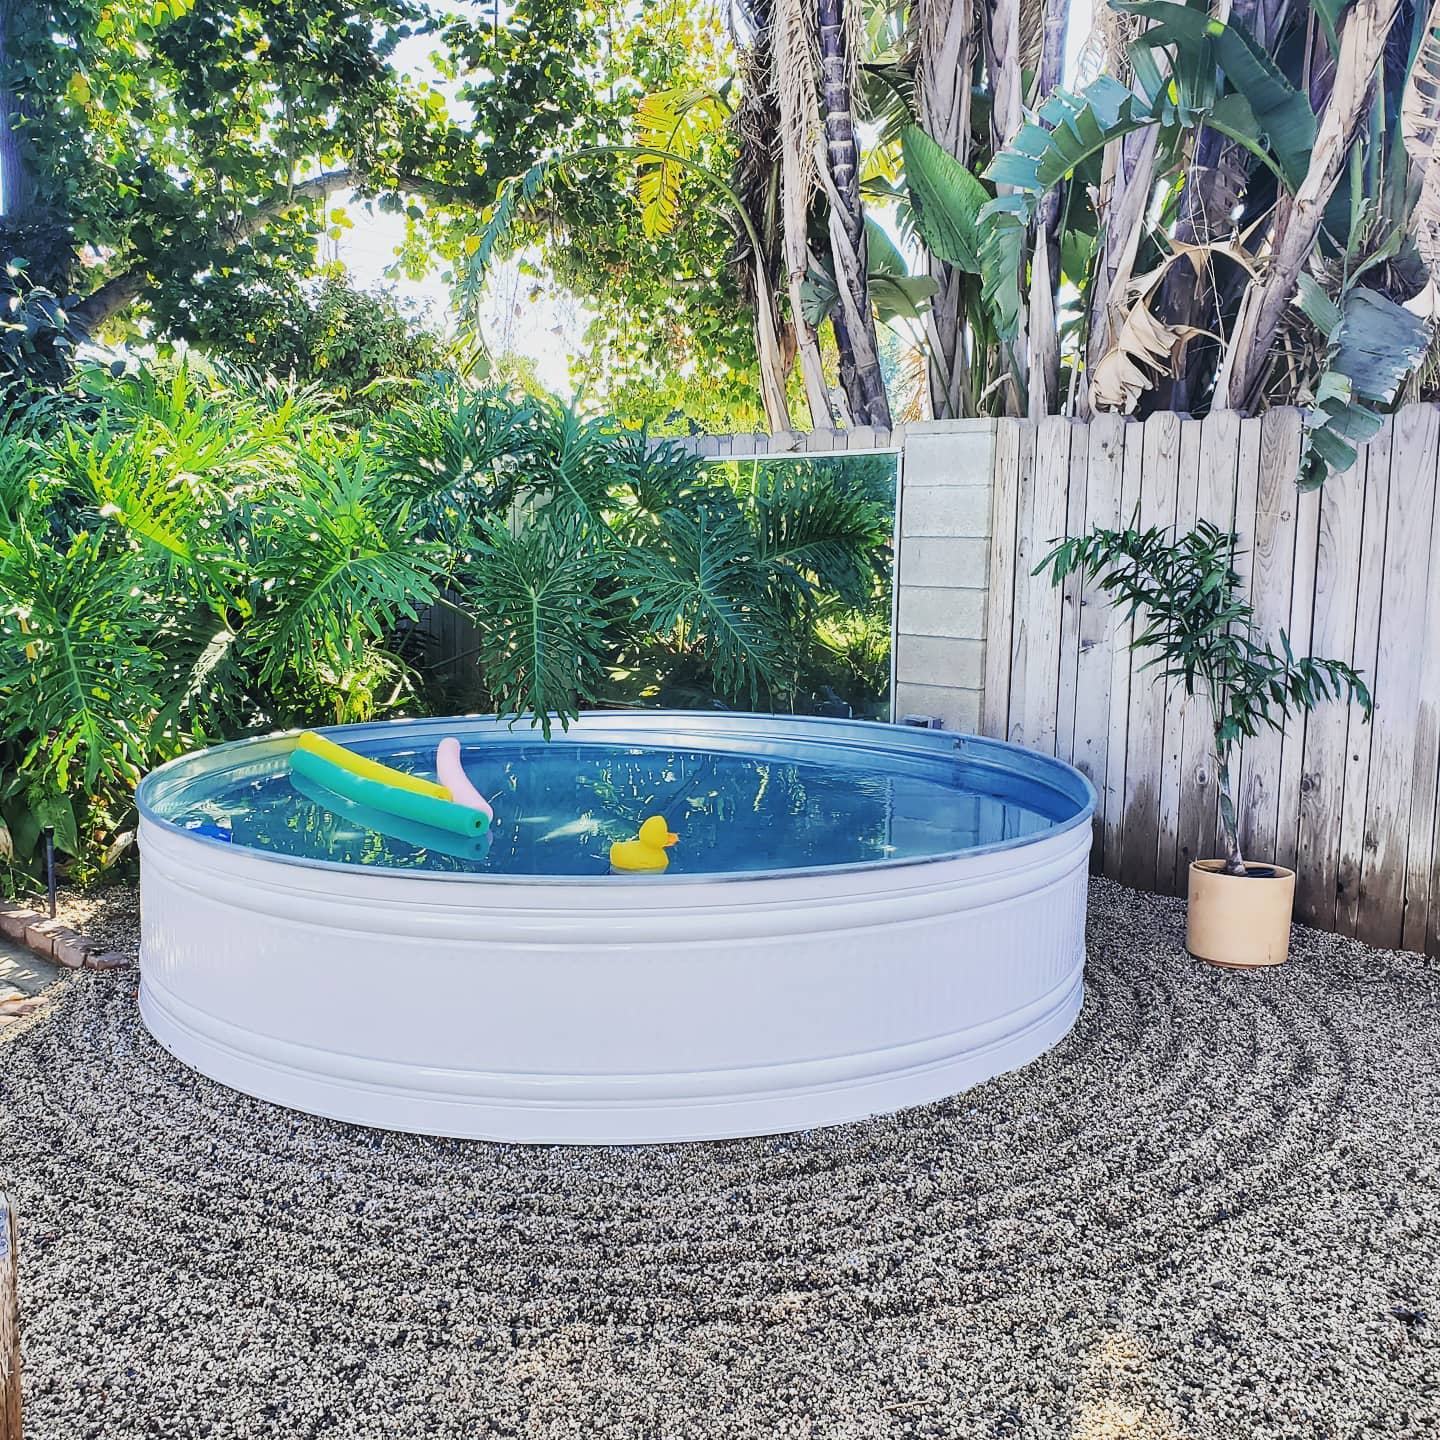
{"x":944,"y":510}
{"x":958,"y":561}
{"x":962,"y":456}
{"x":938,"y":660}
{"x":957,"y":709}
{"x":958,"y":614}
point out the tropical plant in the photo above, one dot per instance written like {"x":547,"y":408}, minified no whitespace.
{"x":1195,"y":618}
{"x":188,"y":554}
{"x":328,"y":332}
{"x":1228,"y":197}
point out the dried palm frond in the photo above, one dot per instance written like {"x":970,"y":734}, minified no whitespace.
{"x":1031,"y":34}
{"x":796,"y":81}
{"x":1143,"y":347}
{"x":1420,"y":124}
{"x":1006,"y":78}
{"x":1106,"y":50}
{"x":1420,"y":106}
{"x":1252,"y":339}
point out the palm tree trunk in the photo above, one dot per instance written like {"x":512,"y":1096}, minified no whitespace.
{"x":1127,"y":178}
{"x":1214,"y":185}
{"x":1007,"y":114}
{"x":1297,"y":227}
{"x":948,"y":42}
{"x":794,"y":85}
{"x":840,"y":175}
{"x":768,"y":351}
{"x":1044,"y":354}
{"x":17,"y":180}
{"x":755,"y":179}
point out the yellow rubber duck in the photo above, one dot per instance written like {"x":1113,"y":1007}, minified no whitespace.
{"x":647,"y":852}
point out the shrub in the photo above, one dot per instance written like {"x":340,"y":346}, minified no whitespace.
{"x":189,"y":556}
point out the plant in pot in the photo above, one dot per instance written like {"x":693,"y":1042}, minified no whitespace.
{"x":1194,"y":616}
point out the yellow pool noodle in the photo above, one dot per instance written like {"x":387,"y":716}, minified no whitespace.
{"x":368,"y":769}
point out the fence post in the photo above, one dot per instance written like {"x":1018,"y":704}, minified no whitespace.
{"x":9,"y":1326}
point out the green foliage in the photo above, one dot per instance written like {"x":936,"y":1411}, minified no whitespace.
{"x":189,"y":555}
{"x":1372,"y":344}
{"x":329,"y":334}
{"x":537,"y":596}
{"x":338,"y":561}
{"x":126,"y":141}
{"x":1251,"y":97}
{"x":37,"y":342}
{"x":946,"y":198}
{"x":1193,"y":614}
{"x":1069,"y":130}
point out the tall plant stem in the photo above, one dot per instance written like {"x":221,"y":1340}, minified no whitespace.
{"x":794,"y":93}
{"x":948,"y":43}
{"x":1229,"y":819}
{"x":840,"y":176}
{"x":17,"y":180}
{"x":1044,"y":355}
{"x":1007,"y":114}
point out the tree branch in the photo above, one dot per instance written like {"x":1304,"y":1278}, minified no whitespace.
{"x":122,"y":290}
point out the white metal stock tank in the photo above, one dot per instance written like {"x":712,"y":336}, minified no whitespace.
{"x":858,"y":917}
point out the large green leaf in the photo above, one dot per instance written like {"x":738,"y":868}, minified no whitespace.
{"x":1377,"y":344}
{"x":702,"y":582}
{"x":946,"y":198}
{"x":894,"y":293}
{"x":1197,"y":45}
{"x":1374,"y":345}
{"x":537,"y":598}
{"x":882,"y":254}
{"x":1071,"y":129}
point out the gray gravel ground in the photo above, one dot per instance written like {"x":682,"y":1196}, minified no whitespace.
{"x":110,"y":916}
{"x":1213,"y":1211}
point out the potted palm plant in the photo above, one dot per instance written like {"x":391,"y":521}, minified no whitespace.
{"x":1194,"y":616}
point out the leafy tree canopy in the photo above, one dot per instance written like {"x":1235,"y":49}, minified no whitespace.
{"x":179,"y":161}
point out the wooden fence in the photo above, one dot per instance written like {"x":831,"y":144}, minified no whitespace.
{"x":9,"y":1326}
{"x":1351,"y":572}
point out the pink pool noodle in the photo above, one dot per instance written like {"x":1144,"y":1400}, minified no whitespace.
{"x":452,"y":776}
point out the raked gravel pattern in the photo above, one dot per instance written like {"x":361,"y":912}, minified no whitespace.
{"x":1212,"y":1211}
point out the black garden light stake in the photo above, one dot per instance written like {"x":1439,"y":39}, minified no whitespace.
{"x":50,"y":867}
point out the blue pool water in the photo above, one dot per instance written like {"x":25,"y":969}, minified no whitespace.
{"x":559,"y":806}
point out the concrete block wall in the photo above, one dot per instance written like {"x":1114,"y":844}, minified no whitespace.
{"x":942,"y":560}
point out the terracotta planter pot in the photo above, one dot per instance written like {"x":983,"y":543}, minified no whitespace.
{"x":1240,"y":920}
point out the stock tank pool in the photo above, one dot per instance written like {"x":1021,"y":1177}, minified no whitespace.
{"x":856,"y":917}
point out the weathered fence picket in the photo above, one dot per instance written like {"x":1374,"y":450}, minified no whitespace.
{"x":10,"y":1422}
{"x":1351,"y":571}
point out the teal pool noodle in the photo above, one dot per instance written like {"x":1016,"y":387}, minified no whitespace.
{"x":393,"y":827}
{"x":390,"y":799}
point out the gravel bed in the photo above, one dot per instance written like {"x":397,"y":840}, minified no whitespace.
{"x":110,"y":915}
{"x":1212,"y":1211}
